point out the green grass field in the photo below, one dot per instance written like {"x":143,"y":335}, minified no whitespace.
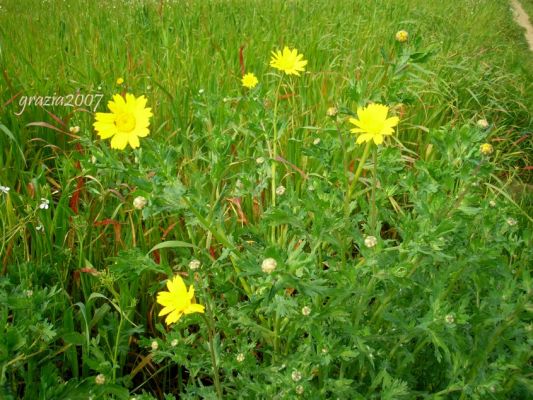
{"x":322,"y":268}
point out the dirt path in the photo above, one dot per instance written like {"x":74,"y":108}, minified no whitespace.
{"x":522,"y":19}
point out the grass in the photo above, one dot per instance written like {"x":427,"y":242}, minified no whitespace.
{"x":438,"y":308}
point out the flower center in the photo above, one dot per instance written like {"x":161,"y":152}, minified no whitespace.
{"x":125,"y":122}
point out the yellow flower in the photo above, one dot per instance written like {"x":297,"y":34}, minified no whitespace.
{"x":126,"y":123}
{"x":249,"y":80}
{"x":402,"y":36}
{"x":373,"y":123}
{"x":177,"y":301}
{"x":486,"y":149}
{"x":288,"y":61}
{"x":120,"y":81}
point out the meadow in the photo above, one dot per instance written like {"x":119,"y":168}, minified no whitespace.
{"x":247,"y":199}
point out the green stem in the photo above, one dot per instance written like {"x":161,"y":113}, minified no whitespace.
{"x":374,"y":211}
{"x":274,"y":154}
{"x":115,"y":352}
{"x":211,"y":332}
{"x":351,"y":188}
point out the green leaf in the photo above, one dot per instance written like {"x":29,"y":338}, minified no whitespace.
{"x":171,"y":244}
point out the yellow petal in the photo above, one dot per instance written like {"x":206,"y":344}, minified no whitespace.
{"x":165,"y":298}
{"x":174,"y":317}
{"x":391,"y":122}
{"x":194,"y":308}
{"x":105,"y":130}
{"x":119,"y":141}
{"x":166,"y":310}
{"x":365,"y":137}
{"x":378,"y":139}
{"x":133,"y":141}
{"x":176,"y":286}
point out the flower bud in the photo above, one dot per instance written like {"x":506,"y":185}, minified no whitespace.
{"x":402,"y":36}
{"x":100,"y":379}
{"x":482,"y":123}
{"x":139,"y":202}
{"x":486,"y":149}
{"x":371,"y":241}
{"x":268,"y":265}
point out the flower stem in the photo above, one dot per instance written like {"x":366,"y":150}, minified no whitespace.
{"x":211,"y":332}
{"x":274,"y":153}
{"x":374,"y":211}
{"x":351,"y":187}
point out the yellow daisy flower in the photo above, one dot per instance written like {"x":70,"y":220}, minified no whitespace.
{"x":177,"y":301}
{"x":373,"y":123}
{"x":288,"y":61}
{"x":120,"y":81}
{"x":126,"y":123}
{"x":249,"y":80}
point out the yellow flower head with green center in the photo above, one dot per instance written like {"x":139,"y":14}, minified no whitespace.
{"x":249,"y":80}
{"x":177,"y":301}
{"x":373,"y":123}
{"x":402,"y":36}
{"x":126,"y":123}
{"x":288,"y":61}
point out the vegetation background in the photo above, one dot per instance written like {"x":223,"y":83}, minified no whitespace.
{"x":440,"y":307}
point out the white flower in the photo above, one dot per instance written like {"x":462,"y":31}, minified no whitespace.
{"x":280,"y":190}
{"x":154,"y":345}
{"x":492,"y":203}
{"x":174,"y":343}
{"x":268,"y":265}
{"x":139,"y":202}
{"x":296,"y":376}
{"x":260,"y":160}
{"x":482,"y":123}
{"x":316,"y":141}
{"x":240,"y":357}
{"x":4,"y":189}
{"x":299,"y":389}
{"x":306,"y":311}
{"x":194,"y":264}
{"x":100,"y":379}
{"x":371,"y":241}
{"x":44,"y":204}
{"x":28,"y":293}
{"x":511,"y":221}
{"x":450,"y":319}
